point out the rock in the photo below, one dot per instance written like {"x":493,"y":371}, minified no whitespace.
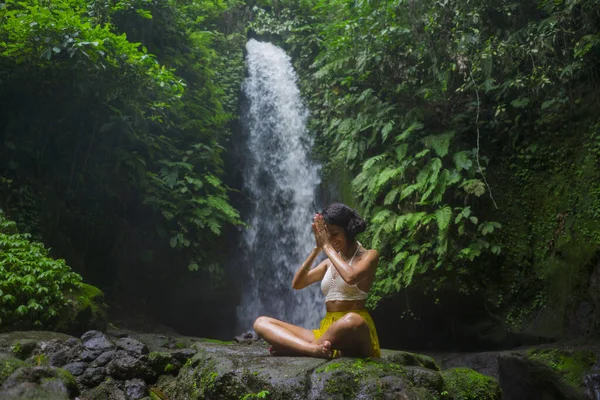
{"x":485,"y":363}
{"x":544,"y":374}
{"x":125,"y":366}
{"x":66,"y":356}
{"x":87,"y":311}
{"x":107,"y":390}
{"x":182,"y":355}
{"x":132,"y":346}
{"x":76,"y":368}
{"x":426,"y":378}
{"x":8,"y":365}
{"x":220,"y":371}
{"x":103,"y":359}
{"x":409,"y":359}
{"x":90,"y":355}
{"x":39,"y":383}
{"x":93,"y":376}
{"x":466,"y":384}
{"x":247,"y":337}
{"x":97,"y":341}
{"x":136,"y":389}
{"x":163,"y":362}
{"x":17,"y":340}
{"x":351,"y":378}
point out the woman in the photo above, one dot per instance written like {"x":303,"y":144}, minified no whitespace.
{"x":346,"y":276}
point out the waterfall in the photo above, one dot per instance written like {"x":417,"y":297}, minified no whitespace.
{"x":280,"y":181}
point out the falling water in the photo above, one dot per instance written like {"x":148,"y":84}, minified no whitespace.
{"x":279,"y":186}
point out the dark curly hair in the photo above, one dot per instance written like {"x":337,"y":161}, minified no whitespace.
{"x":346,"y":218}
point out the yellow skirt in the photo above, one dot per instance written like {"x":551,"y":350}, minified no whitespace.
{"x":331,"y":317}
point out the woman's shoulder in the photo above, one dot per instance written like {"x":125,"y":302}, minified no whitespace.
{"x":372,"y":253}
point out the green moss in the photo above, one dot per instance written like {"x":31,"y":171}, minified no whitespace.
{"x":85,"y":311}
{"x":216,"y":341}
{"x":466,"y":384}
{"x":23,"y":348}
{"x":8,"y":365}
{"x":158,"y":361}
{"x":345,"y":378}
{"x":411,"y":359}
{"x":572,"y":366}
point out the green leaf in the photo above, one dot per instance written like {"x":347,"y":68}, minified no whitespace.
{"x":462,"y":160}
{"x":443,"y":217}
{"x":415,"y":126}
{"x":389,"y":198}
{"x":387,"y":128}
{"x":439,"y":143}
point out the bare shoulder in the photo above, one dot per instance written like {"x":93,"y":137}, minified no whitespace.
{"x":372,"y":253}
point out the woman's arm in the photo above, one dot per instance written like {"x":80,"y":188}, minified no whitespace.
{"x":305,"y":276}
{"x":352,"y":274}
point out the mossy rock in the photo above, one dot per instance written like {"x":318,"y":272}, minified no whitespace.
{"x":544,"y":373}
{"x":162,"y":362}
{"x":425,"y":378}
{"x":8,"y":365}
{"x":39,"y":383}
{"x":571,"y":365}
{"x":352,"y":378}
{"x":86,"y":311}
{"x":409,"y":359}
{"x":466,"y":384}
{"x":233,"y":371}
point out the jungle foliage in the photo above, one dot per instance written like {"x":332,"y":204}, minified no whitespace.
{"x":455,"y":118}
{"x":33,"y":285}
{"x":113,"y":120}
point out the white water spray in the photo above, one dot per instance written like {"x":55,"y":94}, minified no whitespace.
{"x":280,"y":182}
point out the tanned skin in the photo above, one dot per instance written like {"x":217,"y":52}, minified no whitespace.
{"x":350,"y":334}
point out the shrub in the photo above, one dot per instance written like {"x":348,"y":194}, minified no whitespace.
{"x":31,"y":282}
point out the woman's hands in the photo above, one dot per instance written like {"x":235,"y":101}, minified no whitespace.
{"x":320,"y":231}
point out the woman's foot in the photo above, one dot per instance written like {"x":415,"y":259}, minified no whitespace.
{"x":323,"y":350}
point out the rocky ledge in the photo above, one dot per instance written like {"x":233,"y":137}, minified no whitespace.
{"x":127,"y":365}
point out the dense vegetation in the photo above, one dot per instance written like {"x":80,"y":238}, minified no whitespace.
{"x":113,"y":121}
{"x":466,"y":132}
{"x":469,"y":133}
{"x":33,"y":285}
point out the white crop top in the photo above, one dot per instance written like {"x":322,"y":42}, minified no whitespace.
{"x":337,"y":289}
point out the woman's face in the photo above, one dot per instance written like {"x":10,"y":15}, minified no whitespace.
{"x":338,"y":237}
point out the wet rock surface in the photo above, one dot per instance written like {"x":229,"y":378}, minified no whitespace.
{"x":126,"y":365}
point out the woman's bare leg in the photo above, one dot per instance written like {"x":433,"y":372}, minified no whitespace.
{"x":350,"y":334}
{"x":288,"y":339}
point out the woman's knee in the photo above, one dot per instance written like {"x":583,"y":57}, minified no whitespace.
{"x":353,"y":321}
{"x":260,"y":323}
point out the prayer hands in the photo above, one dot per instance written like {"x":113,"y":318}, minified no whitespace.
{"x":320,"y":231}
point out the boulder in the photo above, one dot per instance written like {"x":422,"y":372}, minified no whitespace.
{"x":125,"y":366}
{"x":220,"y":371}
{"x":76,"y":368}
{"x":406,"y":358}
{"x":8,"y":365}
{"x":545,"y":374}
{"x":24,"y":344}
{"x":86,"y":311}
{"x":466,"y":384}
{"x":136,"y":389}
{"x":39,"y":383}
{"x":103,"y":359}
{"x":97,"y":341}
{"x":132,"y":346}
{"x":107,"y":390}
{"x":92,"y":377}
